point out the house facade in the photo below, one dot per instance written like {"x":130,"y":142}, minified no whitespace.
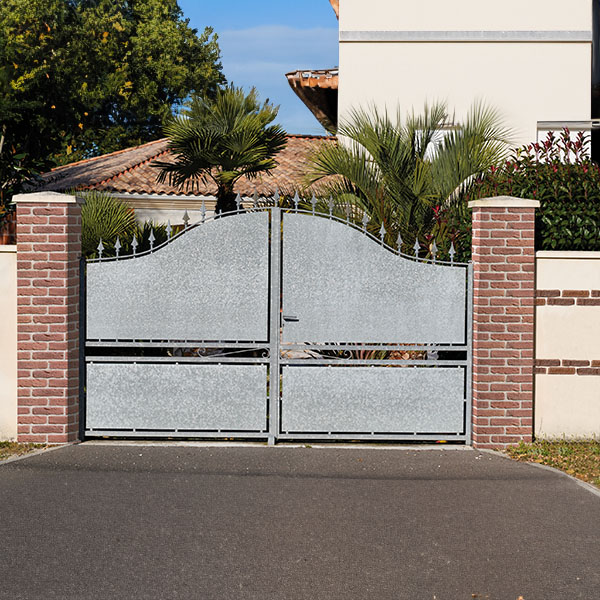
{"x":533,"y":61}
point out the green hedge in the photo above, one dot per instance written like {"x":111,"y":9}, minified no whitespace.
{"x":559,"y":174}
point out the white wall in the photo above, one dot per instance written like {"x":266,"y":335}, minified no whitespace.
{"x":527,"y":81}
{"x":567,"y":395}
{"x":464,"y":15}
{"x":8,"y":342}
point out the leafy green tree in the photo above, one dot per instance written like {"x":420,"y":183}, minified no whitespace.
{"x":222,"y":140}
{"x":404,"y":175}
{"x":86,"y":77}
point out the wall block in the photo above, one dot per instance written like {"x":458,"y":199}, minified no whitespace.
{"x":48,"y":251}
{"x":503,"y":320}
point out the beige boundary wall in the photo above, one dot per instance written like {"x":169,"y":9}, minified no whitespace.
{"x":507,"y":56}
{"x":8,"y":342}
{"x":567,"y":387}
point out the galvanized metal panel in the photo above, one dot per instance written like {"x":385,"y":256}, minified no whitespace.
{"x":372,"y":400}
{"x":212,"y":283}
{"x":345,"y":287}
{"x":176,"y":396}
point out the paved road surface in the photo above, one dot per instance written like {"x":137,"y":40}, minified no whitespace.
{"x":129,"y":522}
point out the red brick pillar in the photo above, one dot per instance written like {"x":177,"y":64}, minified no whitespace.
{"x":48,"y":250}
{"x":503,"y":320}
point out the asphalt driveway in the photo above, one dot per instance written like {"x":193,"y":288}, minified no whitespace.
{"x":131,"y":522}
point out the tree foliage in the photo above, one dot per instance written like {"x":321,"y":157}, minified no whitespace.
{"x":80,"y":78}
{"x":222,"y":139}
{"x":408,"y":174}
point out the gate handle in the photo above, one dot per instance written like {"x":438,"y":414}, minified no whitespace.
{"x":291,"y":318}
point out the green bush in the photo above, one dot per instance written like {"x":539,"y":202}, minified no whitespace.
{"x":106,"y":218}
{"x":559,"y":174}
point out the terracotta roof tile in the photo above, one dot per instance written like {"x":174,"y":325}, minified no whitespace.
{"x":130,"y":171}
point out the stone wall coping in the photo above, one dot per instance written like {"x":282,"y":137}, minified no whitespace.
{"x":47,"y":198}
{"x":572,"y":254}
{"x":8,"y":248}
{"x":504,"y":202}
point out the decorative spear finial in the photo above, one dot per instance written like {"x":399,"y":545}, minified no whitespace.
{"x":365,"y":221}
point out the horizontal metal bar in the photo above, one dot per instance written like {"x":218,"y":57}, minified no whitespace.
{"x":343,"y":362}
{"x":174,"y":344}
{"x":375,"y":436}
{"x":174,"y":434}
{"x":359,"y":347}
{"x":174,"y":359}
{"x":466,"y":36}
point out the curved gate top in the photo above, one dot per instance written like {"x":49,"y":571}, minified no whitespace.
{"x":277,"y":324}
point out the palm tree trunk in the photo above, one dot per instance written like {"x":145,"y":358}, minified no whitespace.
{"x":225,"y":199}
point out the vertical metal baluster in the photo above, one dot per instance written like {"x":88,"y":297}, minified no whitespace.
{"x":255,"y":200}
{"x":134,"y":244}
{"x":399,"y":243}
{"x":416,"y":248}
{"x":296,"y":201}
{"x":331,"y":206}
{"x":313,"y":202}
{"x":100,"y":248}
{"x":238,"y":202}
{"x":434,"y":250}
{"x":276,"y":197}
{"x":151,"y":239}
{"x":203,"y":212}
{"x":117,"y":246}
{"x":348,"y":213}
{"x":452,"y":253}
{"x":382,"y":233}
{"x":169,"y":229}
{"x":186,"y":219}
{"x":365,"y":222}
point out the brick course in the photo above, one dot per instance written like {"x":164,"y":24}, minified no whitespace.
{"x":503,"y":321}
{"x":48,"y":250}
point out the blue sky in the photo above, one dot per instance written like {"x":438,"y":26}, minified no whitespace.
{"x":261,"y":40}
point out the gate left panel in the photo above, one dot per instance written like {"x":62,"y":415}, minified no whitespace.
{"x":177,"y":339}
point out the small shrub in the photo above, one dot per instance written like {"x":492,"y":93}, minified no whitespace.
{"x":104,"y":217}
{"x":559,"y":174}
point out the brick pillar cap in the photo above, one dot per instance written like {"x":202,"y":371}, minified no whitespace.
{"x":47,"y":198}
{"x":504,"y":202}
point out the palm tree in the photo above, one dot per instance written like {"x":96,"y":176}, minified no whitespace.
{"x":223,"y":139}
{"x":397,"y":174}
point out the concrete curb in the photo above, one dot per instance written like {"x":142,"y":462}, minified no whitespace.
{"x":36,"y":453}
{"x":586,"y":486}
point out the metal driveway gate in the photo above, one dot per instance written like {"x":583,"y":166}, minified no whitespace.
{"x":276,"y":324}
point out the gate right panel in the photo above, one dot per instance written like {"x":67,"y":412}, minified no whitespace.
{"x":374,"y":344}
